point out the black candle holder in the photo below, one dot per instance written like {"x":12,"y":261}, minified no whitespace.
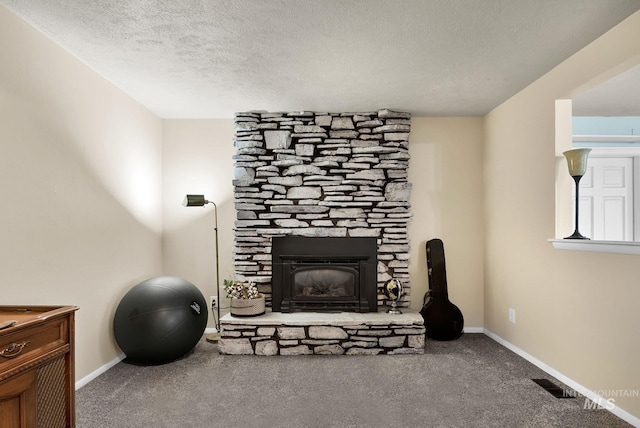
{"x":577,"y":163}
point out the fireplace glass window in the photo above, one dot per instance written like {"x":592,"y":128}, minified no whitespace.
{"x":324,"y":282}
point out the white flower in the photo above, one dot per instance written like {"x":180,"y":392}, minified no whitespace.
{"x":241,"y":290}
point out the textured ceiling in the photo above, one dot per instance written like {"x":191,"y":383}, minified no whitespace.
{"x":211,"y":58}
{"x":619,"y":96}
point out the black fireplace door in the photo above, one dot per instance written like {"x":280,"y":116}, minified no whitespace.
{"x":324,"y":274}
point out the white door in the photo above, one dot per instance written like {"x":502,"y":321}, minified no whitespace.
{"x":606,"y":199}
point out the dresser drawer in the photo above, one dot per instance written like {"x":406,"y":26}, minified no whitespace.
{"x":32,"y":344}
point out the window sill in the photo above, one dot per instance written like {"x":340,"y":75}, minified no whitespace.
{"x":619,"y":247}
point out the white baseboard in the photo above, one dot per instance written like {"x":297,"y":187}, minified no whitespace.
{"x":622,"y":414}
{"x":473,"y":329}
{"x":91,"y":376}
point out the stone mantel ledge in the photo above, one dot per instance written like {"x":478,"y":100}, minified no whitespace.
{"x":341,"y":319}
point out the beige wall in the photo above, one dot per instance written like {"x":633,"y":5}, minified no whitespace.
{"x":575,"y":311}
{"x":80,"y":182}
{"x":198,"y":160}
{"x":446,"y":201}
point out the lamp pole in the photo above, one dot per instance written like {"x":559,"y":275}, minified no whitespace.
{"x":200,"y":201}
{"x":576,"y":233}
{"x":215,"y":228}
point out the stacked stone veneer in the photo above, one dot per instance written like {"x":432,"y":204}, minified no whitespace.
{"x":321,"y":174}
{"x":365,"y":338}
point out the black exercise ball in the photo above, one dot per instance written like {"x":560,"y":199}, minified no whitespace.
{"x":160,"y":320}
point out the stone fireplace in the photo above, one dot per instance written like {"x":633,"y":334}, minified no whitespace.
{"x":322,"y":175}
{"x":324,"y":274}
{"x":322,"y":203}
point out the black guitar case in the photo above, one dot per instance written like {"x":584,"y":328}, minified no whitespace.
{"x":442,"y":319}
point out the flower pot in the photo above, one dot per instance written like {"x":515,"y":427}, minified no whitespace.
{"x":248,"y":307}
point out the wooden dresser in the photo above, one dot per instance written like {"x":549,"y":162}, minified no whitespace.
{"x":37,"y":375}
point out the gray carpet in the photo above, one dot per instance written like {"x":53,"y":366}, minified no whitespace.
{"x":470,"y":382}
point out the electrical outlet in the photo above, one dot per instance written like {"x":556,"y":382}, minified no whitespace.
{"x":512,"y":315}
{"x":213,"y":301}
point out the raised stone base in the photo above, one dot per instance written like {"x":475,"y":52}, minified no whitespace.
{"x":308,"y":333}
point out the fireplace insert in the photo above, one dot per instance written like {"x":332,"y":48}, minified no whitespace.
{"x":324,"y":274}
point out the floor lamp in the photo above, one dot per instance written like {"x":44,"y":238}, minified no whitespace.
{"x":200,"y":201}
{"x":577,"y":163}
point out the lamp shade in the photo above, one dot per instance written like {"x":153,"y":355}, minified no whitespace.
{"x":577,"y":161}
{"x":194,"y":201}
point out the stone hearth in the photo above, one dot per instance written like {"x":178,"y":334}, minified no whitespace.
{"x":309,"y":333}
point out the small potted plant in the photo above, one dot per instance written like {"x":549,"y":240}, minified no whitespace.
{"x":246,"y":301}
